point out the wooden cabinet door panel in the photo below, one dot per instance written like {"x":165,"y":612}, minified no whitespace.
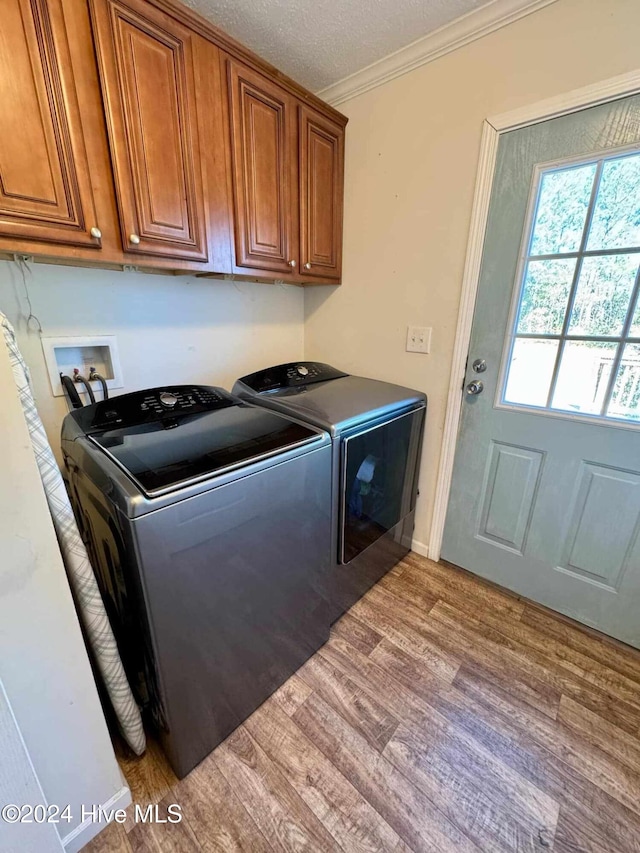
{"x":321,"y":145}
{"x":146,"y":63}
{"x":45,"y":188}
{"x":263,"y":171}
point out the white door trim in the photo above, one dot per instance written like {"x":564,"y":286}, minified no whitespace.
{"x":493,"y":127}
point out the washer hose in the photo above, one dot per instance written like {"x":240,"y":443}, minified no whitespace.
{"x":71,"y":391}
{"x":96,"y":377}
{"x":79,"y":378}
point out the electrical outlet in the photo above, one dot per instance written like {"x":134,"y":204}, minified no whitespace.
{"x":418,"y":339}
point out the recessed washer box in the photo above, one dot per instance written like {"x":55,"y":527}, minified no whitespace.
{"x":99,"y":351}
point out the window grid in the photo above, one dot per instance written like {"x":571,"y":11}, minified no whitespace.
{"x":564,"y":335}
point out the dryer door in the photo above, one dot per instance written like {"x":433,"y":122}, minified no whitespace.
{"x":379,"y":480}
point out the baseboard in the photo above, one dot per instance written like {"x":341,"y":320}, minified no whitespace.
{"x":422,"y":549}
{"x":88,"y":829}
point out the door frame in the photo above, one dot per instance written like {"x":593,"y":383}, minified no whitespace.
{"x":493,"y":127}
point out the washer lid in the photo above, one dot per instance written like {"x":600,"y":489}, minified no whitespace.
{"x":340,"y":403}
{"x":166,"y":454}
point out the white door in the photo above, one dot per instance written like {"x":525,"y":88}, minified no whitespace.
{"x":545,"y":496}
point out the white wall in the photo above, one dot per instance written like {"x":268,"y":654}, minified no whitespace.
{"x":18,"y":780}
{"x":411,"y":161}
{"x":169,"y":329}
{"x":43,"y":661}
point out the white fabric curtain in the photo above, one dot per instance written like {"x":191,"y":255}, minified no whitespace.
{"x":83,"y":582}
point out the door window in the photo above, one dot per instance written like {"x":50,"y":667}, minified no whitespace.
{"x":575,"y":338}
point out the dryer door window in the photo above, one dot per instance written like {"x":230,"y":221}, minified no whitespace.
{"x":379,"y":469}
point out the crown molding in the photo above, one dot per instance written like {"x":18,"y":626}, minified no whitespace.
{"x":474,"y":25}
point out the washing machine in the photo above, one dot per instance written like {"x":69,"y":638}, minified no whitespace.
{"x":377,"y":431}
{"x":208,"y":524}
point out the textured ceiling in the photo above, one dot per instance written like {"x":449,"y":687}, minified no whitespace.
{"x":318,"y":42}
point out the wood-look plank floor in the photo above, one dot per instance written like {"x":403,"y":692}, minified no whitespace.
{"x":444,"y":714}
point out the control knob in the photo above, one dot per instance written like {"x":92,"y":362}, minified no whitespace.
{"x":167,"y":399}
{"x":302,"y":370}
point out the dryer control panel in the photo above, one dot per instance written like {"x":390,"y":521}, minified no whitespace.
{"x":290,"y":375}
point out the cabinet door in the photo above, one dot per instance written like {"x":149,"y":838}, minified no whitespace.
{"x":148,"y":83}
{"x":45,"y":189}
{"x":264,"y":171}
{"x":321,"y":194}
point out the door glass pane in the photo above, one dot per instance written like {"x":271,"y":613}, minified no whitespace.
{"x":634,"y":331}
{"x":585,"y":368}
{"x":530,"y":371}
{"x":545,"y":295}
{"x":625,"y":400}
{"x":562,"y":209}
{"x":602,"y":298}
{"x":579,"y":310}
{"x":616,"y":216}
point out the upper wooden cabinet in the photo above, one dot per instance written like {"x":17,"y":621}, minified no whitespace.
{"x":136,"y":132}
{"x":147,"y":75}
{"x":45,"y":188}
{"x":287,"y":178}
{"x":262,"y":146}
{"x":321,"y":143}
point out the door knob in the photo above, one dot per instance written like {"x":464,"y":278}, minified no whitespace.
{"x":96,"y":232}
{"x":475,"y":387}
{"x":479,"y":365}
{"x":307,"y":266}
{"x":133,"y":238}
{"x":292,"y":263}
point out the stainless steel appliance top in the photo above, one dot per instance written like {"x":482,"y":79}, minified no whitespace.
{"x":328,"y":398}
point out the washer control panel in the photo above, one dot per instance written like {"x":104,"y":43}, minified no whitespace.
{"x":297,"y":373}
{"x":155,"y":404}
{"x":168,"y":400}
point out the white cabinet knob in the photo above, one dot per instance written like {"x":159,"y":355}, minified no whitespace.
{"x":96,"y":232}
{"x":292,"y":263}
{"x":133,"y":238}
{"x":307,"y":266}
